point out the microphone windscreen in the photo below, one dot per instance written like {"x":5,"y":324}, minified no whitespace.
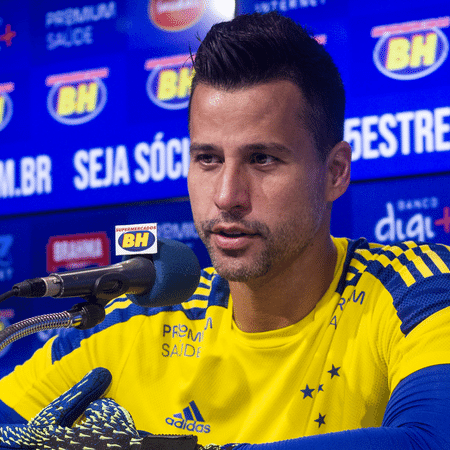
{"x":177,"y":275}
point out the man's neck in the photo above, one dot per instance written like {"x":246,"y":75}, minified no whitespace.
{"x":285,"y":296}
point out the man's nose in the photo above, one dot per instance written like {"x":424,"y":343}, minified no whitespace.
{"x":232,"y":191}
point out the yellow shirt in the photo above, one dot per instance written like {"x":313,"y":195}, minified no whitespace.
{"x":189,"y":369}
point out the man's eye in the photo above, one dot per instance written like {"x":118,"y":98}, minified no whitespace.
{"x":262,"y":158}
{"x":206,"y":158}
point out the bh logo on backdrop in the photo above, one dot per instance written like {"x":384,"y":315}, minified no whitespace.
{"x":175,"y":15}
{"x":6,"y":104}
{"x":77,"y":97}
{"x":410,"y":50}
{"x":169,"y":81}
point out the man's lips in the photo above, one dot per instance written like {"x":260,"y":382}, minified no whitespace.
{"x":232,"y":237}
{"x":232,"y":231}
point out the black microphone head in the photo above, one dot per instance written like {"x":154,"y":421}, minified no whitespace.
{"x":177,"y":275}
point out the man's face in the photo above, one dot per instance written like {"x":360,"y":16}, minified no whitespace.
{"x":256,"y":185}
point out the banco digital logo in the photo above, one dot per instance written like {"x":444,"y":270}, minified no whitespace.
{"x":411,"y":50}
{"x":190,"y":419}
{"x":169,"y":81}
{"x":77,"y":97}
{"x":408,"y":219}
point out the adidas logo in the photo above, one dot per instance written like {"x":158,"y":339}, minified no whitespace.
{"x":190,"y":419}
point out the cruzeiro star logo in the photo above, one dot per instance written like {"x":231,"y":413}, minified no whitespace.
{"x":334,"y":371}
{"x":321,"y":420}
{"x":189,"y":419}
{"x":308,"y":392}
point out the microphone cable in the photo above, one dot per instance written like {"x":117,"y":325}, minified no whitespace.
{"x":13,"y":292}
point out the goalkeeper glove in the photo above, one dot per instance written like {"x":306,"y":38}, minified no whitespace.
{"x":104,"y":420}
{"x":105,"y":425}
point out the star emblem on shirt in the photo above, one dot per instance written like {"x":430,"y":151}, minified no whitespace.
{"x":334,"y":371}
{"x":307,"y":392}
{"x":320,"y":420}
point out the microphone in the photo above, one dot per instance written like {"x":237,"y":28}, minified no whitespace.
{"x":177,"y":274}
{"x":166,"y":278}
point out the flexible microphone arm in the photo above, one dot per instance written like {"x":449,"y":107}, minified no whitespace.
{"x":82,"y":316}
{"x":85,"y":315}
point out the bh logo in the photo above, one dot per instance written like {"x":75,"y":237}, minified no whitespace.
{"x":6,"y":105}
{"x":138,"y":238}
{"x":136,"y":241}
{"x":169,"y":81}
{"x":77,"y":97}
{"x":410,"y":50}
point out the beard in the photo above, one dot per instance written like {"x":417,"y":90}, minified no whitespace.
{"x":280,"y":247}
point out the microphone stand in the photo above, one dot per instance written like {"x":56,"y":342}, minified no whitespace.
{"x":82,"y":316}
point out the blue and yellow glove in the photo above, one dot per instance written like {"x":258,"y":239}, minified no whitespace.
{"x":106,"y":425}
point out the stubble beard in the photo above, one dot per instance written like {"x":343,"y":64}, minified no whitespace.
{"x":279,"y":248}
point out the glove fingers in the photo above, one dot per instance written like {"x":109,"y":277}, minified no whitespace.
{"x":108,"y":414}
{"x":68,"y":407}
{"x":106,"y":426}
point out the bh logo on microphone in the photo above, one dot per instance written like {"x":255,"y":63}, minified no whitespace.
{"x":136,"y":239}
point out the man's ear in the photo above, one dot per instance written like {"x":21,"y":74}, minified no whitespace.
{"x":338,"y":170}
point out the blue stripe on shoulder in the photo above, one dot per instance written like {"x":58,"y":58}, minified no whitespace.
{"x":352,"y":246}
{"x":421,"y":300}
{"x":70,"y":339}
{"x":426,"y":296}
{"x":220,"y":292}
{"x":208,"y":275}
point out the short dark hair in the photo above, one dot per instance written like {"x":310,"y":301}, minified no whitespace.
{"x":257,"y":48}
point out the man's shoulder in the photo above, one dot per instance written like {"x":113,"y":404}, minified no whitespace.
{"x":413,"y":276}
{"x":411,"y":261}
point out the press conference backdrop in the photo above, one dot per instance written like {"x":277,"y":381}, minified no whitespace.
{"x":93,"y":130}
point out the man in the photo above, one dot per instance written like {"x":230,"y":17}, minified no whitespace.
{"x":295,"y":339}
